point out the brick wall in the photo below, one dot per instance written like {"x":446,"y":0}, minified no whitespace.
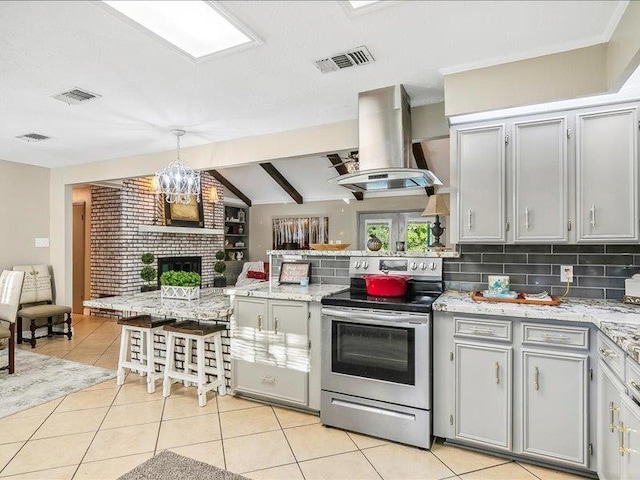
{"x":116,"y":244}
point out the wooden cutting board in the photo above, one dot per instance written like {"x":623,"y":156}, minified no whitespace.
{"x":478,"y":297}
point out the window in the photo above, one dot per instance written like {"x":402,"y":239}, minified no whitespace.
{"x":391,"y":227}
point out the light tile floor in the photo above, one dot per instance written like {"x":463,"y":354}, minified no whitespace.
{"x":104,"y":431}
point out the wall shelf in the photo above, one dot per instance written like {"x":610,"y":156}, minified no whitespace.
{"x":179,"y":230}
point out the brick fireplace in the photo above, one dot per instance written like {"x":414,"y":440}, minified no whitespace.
{"x":117,"y":245}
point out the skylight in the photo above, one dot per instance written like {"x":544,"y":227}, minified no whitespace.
{"x":362,"y":3}
{"x":196,"y":27}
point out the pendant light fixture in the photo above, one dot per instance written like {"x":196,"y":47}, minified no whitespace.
{"x":178,"y":182}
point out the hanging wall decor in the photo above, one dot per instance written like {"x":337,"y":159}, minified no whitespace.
{"x":297,"y":233}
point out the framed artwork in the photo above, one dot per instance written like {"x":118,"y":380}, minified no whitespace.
{"x":297,"y":233}
{"x":184,"y":214}
{"x":293,"y":272}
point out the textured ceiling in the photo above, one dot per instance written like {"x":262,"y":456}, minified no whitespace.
{"x":147,"y":88}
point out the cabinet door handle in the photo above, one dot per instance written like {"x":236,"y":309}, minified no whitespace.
{"x":607,"y":353}
{"x":469,"y":224}
{"x":536,"y":378}
{"x":554,"y":338}
{"x":277,"y":324}
{"x":526,"y":219}
{"x":268,"y":379}
{"x":621,"y":438}
{"x":259,"y":323}
{"x":612,"y":410}
{"x":497,"y":373}
{"x":593,"y":215}
{"x":482,"y":331}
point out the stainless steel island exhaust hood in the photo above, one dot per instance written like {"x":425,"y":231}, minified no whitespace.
{"x":385,"y":158}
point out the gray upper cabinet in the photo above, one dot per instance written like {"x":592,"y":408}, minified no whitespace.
{"x":478,"y":177}
{"x":540,"y":181}
{"x":607,"y":175}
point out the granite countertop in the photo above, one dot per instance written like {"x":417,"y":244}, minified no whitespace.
{"x":618,"y":321}
{"x":364,"y":253}
{"x":312,"y":293}
{"x":212,"y":305}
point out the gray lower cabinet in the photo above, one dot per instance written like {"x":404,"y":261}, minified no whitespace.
{"x":483,"y":393}
{"x":513,"y":385}
{"x":618,"y":413}
{"x":609,"y":404}
{"x":270,"y":349}
{"x":554,"y":406}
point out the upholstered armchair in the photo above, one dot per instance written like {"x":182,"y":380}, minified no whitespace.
{"x":36,"y":304}
{"x":10,"y":289}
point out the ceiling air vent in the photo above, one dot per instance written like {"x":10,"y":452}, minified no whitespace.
{"x":33,"y":137}
{"x":74,"y":96}
{"x":353,"y":58}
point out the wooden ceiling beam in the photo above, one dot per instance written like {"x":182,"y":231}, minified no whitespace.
{"x":421,"y":162}
{"x":341,"y":168}
{"x":283,"y":182}
{"x":230,"y":186}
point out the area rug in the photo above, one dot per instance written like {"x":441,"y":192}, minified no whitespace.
{"x":170,"y":466}
{"x":40,"y":378}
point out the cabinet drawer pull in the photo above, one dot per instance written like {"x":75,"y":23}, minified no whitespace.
{"x":536,"y":378}
{"x":555,"y":337}
{"x":497,"y":373}
{"x":277,"y":324}
{"x":259,"y":323}
{"x":593,"y":215}
{"x":607,"y":353}
{"x":469,"y":219}
{"x":636,"y":386}
{"x":612,"y":410}
{"x":482,"y":331}
{"x":526,"y":219}
{"x":268,"y":379}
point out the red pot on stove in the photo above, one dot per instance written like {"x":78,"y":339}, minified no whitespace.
{"x":386,"y":285}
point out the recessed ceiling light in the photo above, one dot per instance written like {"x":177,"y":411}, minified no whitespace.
{"x":196,"y":27}
{"x":362,"y":3}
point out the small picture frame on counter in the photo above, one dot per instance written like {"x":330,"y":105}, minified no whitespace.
{"x":294,"y":272}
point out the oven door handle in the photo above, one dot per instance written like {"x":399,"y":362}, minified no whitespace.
{"x":357,"y":317}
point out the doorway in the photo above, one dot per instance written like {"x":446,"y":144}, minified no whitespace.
{"x":78,"y":256}
{"x":408,"y":227}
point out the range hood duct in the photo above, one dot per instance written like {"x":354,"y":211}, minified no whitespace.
{"x":385,"y":158}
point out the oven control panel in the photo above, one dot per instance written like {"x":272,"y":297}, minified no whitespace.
{"x":418,"y":267}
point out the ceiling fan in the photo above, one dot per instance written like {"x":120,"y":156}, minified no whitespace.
{"x":350,"y":162}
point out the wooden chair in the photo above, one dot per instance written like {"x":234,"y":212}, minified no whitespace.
{"x":10,"y":289}
{"x":36,"y":303}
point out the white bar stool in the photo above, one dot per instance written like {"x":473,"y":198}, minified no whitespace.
{"x":146,"y":326}
{"x":191,"y":331}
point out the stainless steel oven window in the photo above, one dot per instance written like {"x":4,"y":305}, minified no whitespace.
{"x":373,"y":351}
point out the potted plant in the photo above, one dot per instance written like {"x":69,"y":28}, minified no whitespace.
{"x":180,"y":285}
{"x":148,"y":273}
{"x":220,"y":267}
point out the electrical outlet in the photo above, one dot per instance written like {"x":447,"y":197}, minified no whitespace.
{"x":566,"y":273}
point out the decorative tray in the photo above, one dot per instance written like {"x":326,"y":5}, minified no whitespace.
{"x":329,"y":246}
{"x":479,"y":297}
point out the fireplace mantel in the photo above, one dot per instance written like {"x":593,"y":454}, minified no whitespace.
{"x":185,"y":230}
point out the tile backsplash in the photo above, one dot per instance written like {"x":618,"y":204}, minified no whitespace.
{"x":599,"y":271}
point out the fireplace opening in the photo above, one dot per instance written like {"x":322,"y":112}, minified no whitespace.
{"x":180,"y":264}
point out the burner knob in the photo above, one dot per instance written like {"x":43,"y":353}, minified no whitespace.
{"x":356,"y":264}
{"x":365,"y":265}
{"x":423,"y":266}
{"x":432,"y":266}
{"x":414,"y":265}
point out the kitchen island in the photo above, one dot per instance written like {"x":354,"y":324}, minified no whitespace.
{"x":212,"y":305}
